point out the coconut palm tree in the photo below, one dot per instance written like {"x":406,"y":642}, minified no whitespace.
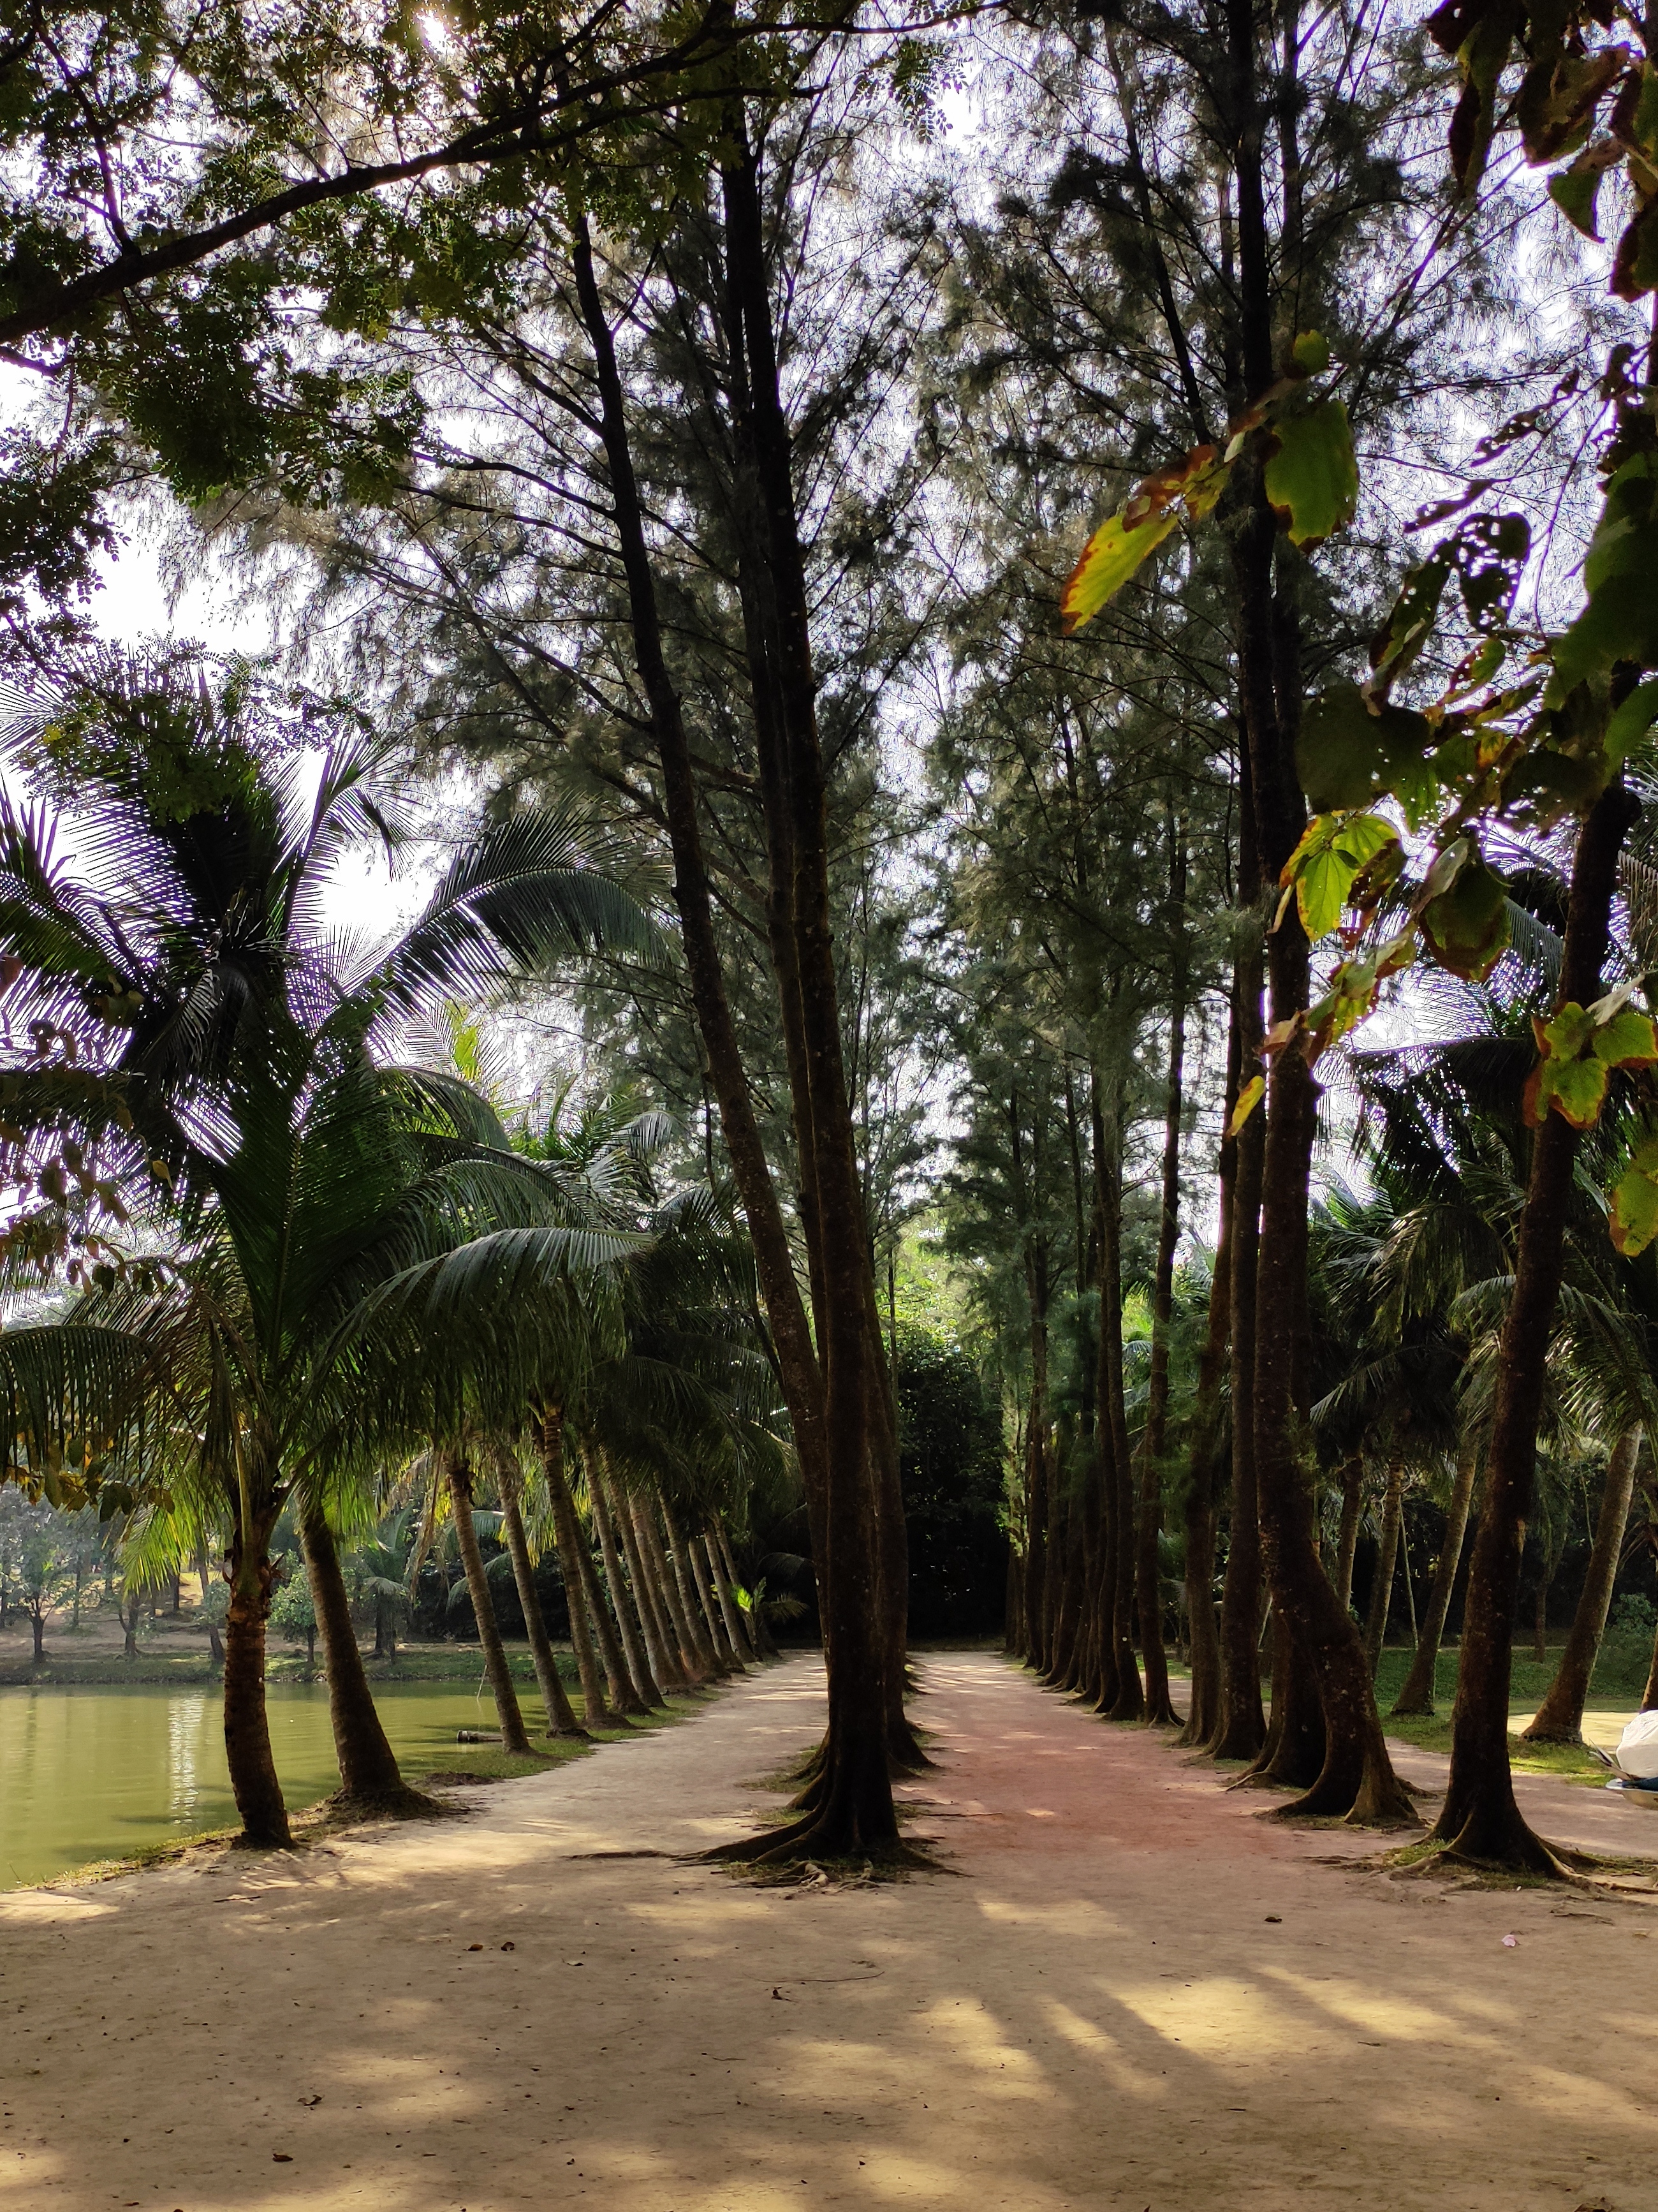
{"x":234,"y":1052}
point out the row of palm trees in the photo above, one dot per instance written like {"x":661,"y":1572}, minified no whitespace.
{"x":301,"y":1264}
{"x":1412,"y":1277}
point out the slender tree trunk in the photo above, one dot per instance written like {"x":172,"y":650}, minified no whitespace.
{"x":1540,"y":1608}
{"x":633,"y":1687}
{"x":513,"y":1735}
{"x":1480,"y":1820}
{"x":712,"y":1611}
{"x":1241,"y":1729}
{"x":745,"y":1644}
{"x":1358,"y":1780}
{"x":685,"y":1576}
{"x":798,"y":1358}
{"x":1418,"y":1694}
{"x":247,"y":1725}
{"x":38,"y":1623}
{"x":662,"y":1660}
{"x":369,"y":1775}
{"x":1159,"y":1709}
{"x":1387,"y":1557}
{"x":560,"y":1714}
{"x":727,"y":1605}
{"x":692,"y":1667}
{"x":1560,"y":1717}
{"x":1203,"y":1459}
{"x":854,"y":1813}
{"x":572,"y":1563}
{"x":1352,"y":1514}
{"x":1128,"y":1702}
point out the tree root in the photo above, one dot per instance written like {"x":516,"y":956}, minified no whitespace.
{"x":403,"y":1803}
{"x":815,"y":1842}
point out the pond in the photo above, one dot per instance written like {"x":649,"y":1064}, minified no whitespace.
{"x":99,"y":1773}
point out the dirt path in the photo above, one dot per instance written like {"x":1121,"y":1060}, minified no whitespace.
{"x":1140,"y":1995}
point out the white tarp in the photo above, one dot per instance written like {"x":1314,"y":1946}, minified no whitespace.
{"x":1637,"y":1748}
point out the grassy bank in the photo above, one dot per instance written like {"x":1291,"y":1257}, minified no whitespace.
{"x":1620,"y":1679}
{"x":157,"y":1666}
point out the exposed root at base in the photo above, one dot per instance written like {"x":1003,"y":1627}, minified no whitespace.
{"x":407,"y":1803}
{"x":821,"y":1838}
{"x":1635,"y":1880}
{"x":772,"y":1862}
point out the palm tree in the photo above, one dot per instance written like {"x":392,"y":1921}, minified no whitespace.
{"x":303,"y":1178}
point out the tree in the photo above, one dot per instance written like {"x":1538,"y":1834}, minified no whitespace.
{"x":44,"y":1574}
{"x":343,"y":1173}
{"x":293,"y":1613}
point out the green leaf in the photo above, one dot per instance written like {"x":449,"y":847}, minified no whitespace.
{"x":1311,"y":351}
{"x":1575,"y":191}
{"x":1347,"y":754}
{"x":1620,"y":620}
{"x":1630,"y":722}
{"x":1311,"y":479}
{"x":1577,"y":1055}
{"x":1627,"y":1040}
{"x":1467,"y":927}
{"x":1634,"y":1217}
{"x":1325,"y":864}
{"x":1108,"y":560}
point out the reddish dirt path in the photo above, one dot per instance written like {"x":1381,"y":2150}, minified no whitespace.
{"x":1137,"y":1995}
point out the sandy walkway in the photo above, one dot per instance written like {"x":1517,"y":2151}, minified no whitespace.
{"x":1140,"y":1996}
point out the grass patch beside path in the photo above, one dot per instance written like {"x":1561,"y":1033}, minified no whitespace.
{"x":1618,"y":1682}
{"x":156,"y":1667}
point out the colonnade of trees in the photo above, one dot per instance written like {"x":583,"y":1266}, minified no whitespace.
{"x":663,"y":430}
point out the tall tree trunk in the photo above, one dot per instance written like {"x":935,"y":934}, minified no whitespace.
{"x":1418,"y":1694}
{"x":693,"y":1668}
{"x":634,"y":1689}
{"x":855,"y":1812}
{"x":1037,"y":1485}
{"x":572,"y":1563}
{"x":246,"y":1724}
{"x":1358,"y":1780}
{"x":663,"y":1659}
{"x":560,"y":1714}
{"x":1241,"y":1728}
{"x":1159,"y":1709}
{"x":1559,"y":1718}
{"x":1387,"y":1559}
{"x":745,"y":1643}
{"x":1547,"y":1570}
{"x":1129,"y":1702}
{"x":369,"y":1775}
{"x":1352,"y":1514}
{"x":712,"y":1611}
{"x":798,"y":1359}
{"x":727,"y":1604}
{"x":1203,"y":1458}
{"x":686,"y":1577}
{"x":1479,"y":1819}
{"x":513,"y":1735}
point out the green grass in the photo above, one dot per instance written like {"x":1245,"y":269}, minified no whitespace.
{"x":427,"y":1662}
{"x":487,"y":1762}
{"x":1618,"y":1682}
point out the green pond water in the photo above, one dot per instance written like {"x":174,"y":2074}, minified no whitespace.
{"x":98,"y":1773}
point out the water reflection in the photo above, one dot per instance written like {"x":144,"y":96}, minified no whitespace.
{"x":87,"y":1774}
{"x":185,"y":1719}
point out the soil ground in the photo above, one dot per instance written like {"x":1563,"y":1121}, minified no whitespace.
{"x":542,"y":2004}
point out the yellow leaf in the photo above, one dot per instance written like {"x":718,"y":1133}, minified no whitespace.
{"x":1110,"y":559}
{"x":1248,"y":1098}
